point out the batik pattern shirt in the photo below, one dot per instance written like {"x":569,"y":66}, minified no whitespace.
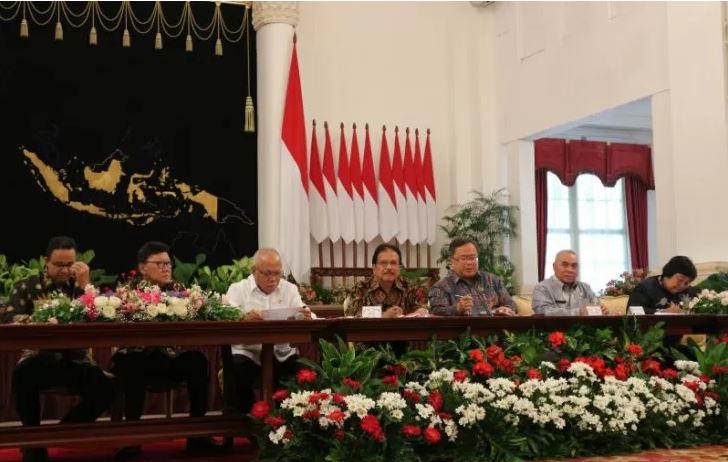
{"x":487,"y":290}
{"x":370,"y":293}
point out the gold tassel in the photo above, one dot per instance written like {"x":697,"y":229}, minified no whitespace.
{"x":24,"y":28}
{"x":126,"y":41}
{"x":93,"y":38}
{"x":158,"y":41}
{"x":249,"y":115}
{"x":188,"y":43}
{"x":218,"y":47}
{"x":59,"y":31}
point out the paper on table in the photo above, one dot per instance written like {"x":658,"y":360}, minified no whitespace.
{"x":280,"y":314}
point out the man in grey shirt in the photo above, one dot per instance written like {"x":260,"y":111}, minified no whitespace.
{"x":562,"y":294}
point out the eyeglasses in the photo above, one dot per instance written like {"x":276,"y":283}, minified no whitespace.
{"x":466,"y":258}
{"x":160,"y":264}
{"x":385,"y":264}
{"x":270,"y":274}
{"x":60,"y":265}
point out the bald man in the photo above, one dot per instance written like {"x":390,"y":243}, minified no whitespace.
{"x":264,"y":289}
{"x":563,"y":294}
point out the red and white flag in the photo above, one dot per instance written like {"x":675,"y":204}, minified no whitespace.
{"x":431,"y":197}
{"x":346,"y":193}
{"x":421,"y":205}
{"x":358,"y":187}
{"x":400,"y":190}
{"x":371,"y":206}
{"x":295,"y":243}
{"x":410,"y":179}
{"x":317,"y":194}
{"x":332,"y":201}
{"x":387,"y":201}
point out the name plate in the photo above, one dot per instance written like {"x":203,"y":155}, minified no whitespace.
{"x":371,"y":311}
{"x":594,"y":310}
{"x":636,"y":310}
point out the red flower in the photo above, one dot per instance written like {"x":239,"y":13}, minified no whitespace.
{"x":712,"y":395}
{"x":534,"y":374}
{"x":336,"y":415}
{"x":435,"y":400}
{"x":412,"y":396}
{"x":651,"y":366}
{"x":370,"y":424}
{"x":312,"y":414}
{"x":693,"y":385}
{"x":718,"y":369}
{"x":397,"y":369}
{"x":274,"y":422}
{"x":340,"y":435}
{"x":317,"y":397}
{"x":349,"y":382}
{"x":260,"y":409}
{"x":305,"y":375}
{"x":444,"y":416}
{"x":132,"y":272}
{"x":635,"y":350}
{"x":483,"y":368}
{"x":705,"y":379}
{"x":389,"y":380}
{"x":621,"y":372}
{"x":495,"y":353}
{"x":506,"y":365}
{"x":557,"y":339}
{"x":476,"y":355}
{"x":339,"y":399}
{"x":432,"y":435}
{"x":669,"y":374}
{"x":460,"y":375}
{"x":411,"y":430}
{"x":564,"y":365}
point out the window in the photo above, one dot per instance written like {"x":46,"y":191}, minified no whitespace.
{"x":590,"y":219}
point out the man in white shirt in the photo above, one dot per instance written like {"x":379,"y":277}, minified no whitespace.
{"x":263,"y":290}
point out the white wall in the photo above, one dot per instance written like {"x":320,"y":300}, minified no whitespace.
{"x":412,"y":64}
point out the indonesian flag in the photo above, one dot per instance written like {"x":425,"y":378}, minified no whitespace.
{"x":431,"y":198}
{"x":346,"y":193}
{"x":317,"y":194}
{"x":387,"y":205}
{"x":294,"y":229}
{"x":358,"y":186}
{"x":400,"y":190}
{"x":332,"y":202}
{"x":421,"y":205}
{"x":371,"y":207}
{"x":410,"y":179}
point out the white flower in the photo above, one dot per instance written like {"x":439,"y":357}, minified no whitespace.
{"x":278,"y":436}
{"x":108,"y":311}
{"x":162,"y":308}
{"x":359,"y":404}
{"x":690,"y":367}
{"x":152,"y":310}
{"x":178,"y":307}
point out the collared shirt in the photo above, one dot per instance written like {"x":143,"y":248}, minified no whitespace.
{"x":652,"y":296}
{"x":370,"y":293}
{"x":487,"y":290}
{"x":247,"y":295}
{"x":552,"y":297}
{"x":23,"y":298}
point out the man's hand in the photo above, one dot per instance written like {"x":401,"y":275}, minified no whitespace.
{"x":465,"y":305}
{"x":673,"y":309}
{"x":80,"y":273}
{"x":392,"y":312}
{"x":503,"y":311}
{"x":420,"y":312}
{"x":254,"y":315}
{"x":306,"y":312}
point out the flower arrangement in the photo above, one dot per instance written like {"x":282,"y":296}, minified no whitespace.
{"x":472,"y":399}
{"x":707,"y":302}
{"x":310,"y":295}
{"x":625,"y":283}
{"x":143,"y":303}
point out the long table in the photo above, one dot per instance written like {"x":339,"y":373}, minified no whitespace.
{"x":268,"y":333}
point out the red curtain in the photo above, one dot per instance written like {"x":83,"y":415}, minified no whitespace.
{"x":635,"y":195}
{"x":608,"y":161}
{"x":542,"y":201}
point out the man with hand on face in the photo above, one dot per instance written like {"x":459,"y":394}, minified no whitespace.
{"x":467,"y":291}
{"x":71,"y":368}
{"x":385,"y":288}
{"x":263,"y":290}
{"x":563,"y":294}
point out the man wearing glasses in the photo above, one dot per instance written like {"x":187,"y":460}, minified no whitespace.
{"x":139,"y":367}
{"x":262,"y":291}
{"x":385,"y":288}
{"x":70,"y":368}
{"x":467,"y":291}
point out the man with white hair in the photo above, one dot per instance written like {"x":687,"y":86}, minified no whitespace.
{"x":263,"y":290}
{"x":563,"y":294}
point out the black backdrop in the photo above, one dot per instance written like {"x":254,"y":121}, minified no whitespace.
{"x":75,"y":105}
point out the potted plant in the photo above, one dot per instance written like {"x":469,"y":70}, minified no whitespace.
{"x":489,"y":222}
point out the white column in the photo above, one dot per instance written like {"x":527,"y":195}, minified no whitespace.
{"x":520,"y":159}
{"x":690,"y":152}
{"x":273,"y":23}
